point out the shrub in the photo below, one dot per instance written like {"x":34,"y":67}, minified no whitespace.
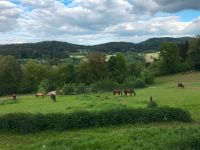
{"x":69,"y":89}
{"x":148,"y":77}
{"x":184,"y":67}
{"x":152,"y":104}
{"x":191,"y":142}
{"x":81,"y":88}
{"x":26,"y":122}
{"x":140,"y":83}
{"x":104,"y":85}
{"x":129,"y":83}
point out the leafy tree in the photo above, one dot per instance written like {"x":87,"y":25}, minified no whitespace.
{"x":95,"y":68}
{"x":133,"y":58}
{"x":83,"y":73}
{"x":117,"y":68}
{"x":10,"y":75}
{"x":66,"y":74}
{"x":44,"y":86}
{"x":135,"y":69}
{"x":183,"y":50}
{"x":33,"y":74}
{"x":194,"y":52}
{"x":169,"y":57}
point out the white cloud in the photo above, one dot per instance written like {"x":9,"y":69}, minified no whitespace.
{"x":9,"y":13}
{"x":93,"y":21}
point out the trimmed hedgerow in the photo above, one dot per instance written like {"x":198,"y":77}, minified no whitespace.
{"x":27,"y":123}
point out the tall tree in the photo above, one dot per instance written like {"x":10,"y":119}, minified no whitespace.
{"x":10,"y":75}
{"x":169,"y":57}
{"x":94,"y":69}
{"x":33,"y":74}
{"x":194,"y":52}
{"x":117,"y":68}
{"x":66,"y":74}
{"x":184,"y":47}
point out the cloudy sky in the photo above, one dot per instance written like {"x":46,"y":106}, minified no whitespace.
{"x":97,"y":21}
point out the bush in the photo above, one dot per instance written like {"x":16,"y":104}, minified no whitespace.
{"x":140,"y":83}
{"x":184,"y":67}
{"x":152,"y":104}
{"x":148,"y":77}
{"x":81,"y":88}
{"x":190,"y":143}
{"x":69,"y":89}
{"x":43,"y":86}
{"x":104,"y":85}
{"x":26,"y":122}
{"x":129,"y":83}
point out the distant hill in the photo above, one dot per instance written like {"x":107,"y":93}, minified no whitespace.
{"x":115,"y":47}
{"x":56,"y":49}
{"x":155,"y":43}
{"x":51,"y":49}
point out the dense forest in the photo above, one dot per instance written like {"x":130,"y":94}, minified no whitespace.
{"x":55,"y":49}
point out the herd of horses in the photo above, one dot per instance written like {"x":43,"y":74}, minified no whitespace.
{"x":132,"y":92}
{"x":53,"y":96}
{"x":116,"y":92}
{"x":126,"y":92}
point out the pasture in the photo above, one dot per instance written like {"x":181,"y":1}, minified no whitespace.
{"x":140,"y":136}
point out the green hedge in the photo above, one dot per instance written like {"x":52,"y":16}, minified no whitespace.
{"x":26,"y":122}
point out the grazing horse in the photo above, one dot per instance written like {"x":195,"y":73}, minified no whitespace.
{"x":129,"y":91}
{"x":180,"y":85}
{"x":117,"y":92}
{"x":53,"y":97}
{"x":39,"y":94}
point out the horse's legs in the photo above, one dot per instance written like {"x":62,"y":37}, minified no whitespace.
{"x":126,"y":93}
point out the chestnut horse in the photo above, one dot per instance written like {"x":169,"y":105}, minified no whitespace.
{"x":39,"y":94}
{"x":129,"y":91}
{"x":117,"y":92}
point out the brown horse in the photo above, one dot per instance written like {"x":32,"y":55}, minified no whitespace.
{"x":39,"y":95}
{"x":117,"y":92}
{"x":129,"y":91}
{"x":180,"y":85}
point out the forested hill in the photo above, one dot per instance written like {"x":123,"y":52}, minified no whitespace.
{"x":55,"y":49}
{"x":154,"y":43}
{"x":51,"y":49}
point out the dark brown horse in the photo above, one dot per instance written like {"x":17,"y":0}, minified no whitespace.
{"x":117,"y":92}
{"x":53,"y":97}
{"x":129,"y":91}
{"x":180,"y":85}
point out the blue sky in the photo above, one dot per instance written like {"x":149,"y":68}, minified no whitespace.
{"x":96,"y":21}
{"x":188,"y":15}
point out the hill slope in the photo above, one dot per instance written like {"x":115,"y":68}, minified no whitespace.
{"x":55,"y":49}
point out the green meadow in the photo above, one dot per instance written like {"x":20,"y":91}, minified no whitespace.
{"x":140,"y":136}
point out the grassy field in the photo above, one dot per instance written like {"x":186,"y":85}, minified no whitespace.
{"x":152,"y":136}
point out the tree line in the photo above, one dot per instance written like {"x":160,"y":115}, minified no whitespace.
{"x":179,"y":57}
{"x":95,"y":73}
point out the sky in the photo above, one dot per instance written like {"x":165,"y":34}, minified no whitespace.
{"x":91,"y":22}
